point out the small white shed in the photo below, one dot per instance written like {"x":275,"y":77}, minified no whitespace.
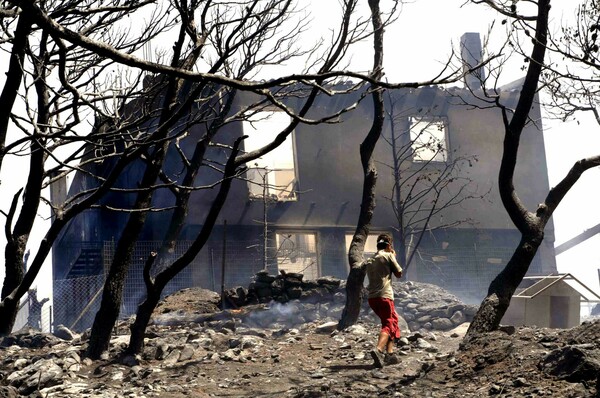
{"x":552,"y":301}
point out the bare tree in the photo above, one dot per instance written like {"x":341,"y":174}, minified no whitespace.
{"x":173,"y":109}
{"x":572,"y":76}
{"x":355,"y":252}
{"x":356,"y":276}
{"x":530,"y":224}
{"x":256,"y":39}
{"x":50,"y":89}
{"x":84,"y":48}
{"x":234,"y":40}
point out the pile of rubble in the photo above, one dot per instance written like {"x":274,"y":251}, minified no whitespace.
{"x":220,"y":357}
{"x":188,"y":326}
{"x":292,"y":349}
{"x":421,"y":306}
{"x":282,"y":288}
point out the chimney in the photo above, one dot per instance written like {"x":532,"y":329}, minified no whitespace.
{"x":471,"y":54}
{"x":58,"y":191}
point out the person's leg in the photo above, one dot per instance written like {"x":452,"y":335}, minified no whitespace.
{"x":378,"y":354}
{"x":390,"y":346}
{"x":393,"y":328}
{"x":383,"y":341}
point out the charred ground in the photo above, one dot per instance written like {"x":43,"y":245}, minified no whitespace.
{"x":195,"y":350}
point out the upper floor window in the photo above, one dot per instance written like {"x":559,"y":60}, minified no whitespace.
{"x":273,"y":175}
{"x":429,"y":139}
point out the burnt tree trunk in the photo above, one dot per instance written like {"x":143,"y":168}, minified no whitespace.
{"x":112,"y":296}
{"x":15,"y":247}
{"x":9,"y":307}
{"x":14,"y":77}
{"x":155,"y":286}
{"x":14,"y":284}
{"x":531,"y":225}
{"x":494,"y":306}
{"x":144,"y":311}
{"x":356,"y":277}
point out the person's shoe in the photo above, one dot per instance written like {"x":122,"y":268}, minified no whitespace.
{"x":391,"y":359}
{"x":378,"y":358}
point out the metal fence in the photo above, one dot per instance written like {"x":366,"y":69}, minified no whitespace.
{"x":38,"y":318}
{"x":466,"y":272}
{"x":76,"y":300}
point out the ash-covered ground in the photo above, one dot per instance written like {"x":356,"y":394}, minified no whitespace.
{"x":293,"y":350}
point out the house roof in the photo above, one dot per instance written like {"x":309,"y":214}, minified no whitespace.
{"x":515,"y":85}
{"x":545,"y":282}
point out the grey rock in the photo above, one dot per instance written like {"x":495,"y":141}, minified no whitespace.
{"x":161,"y":351}
{"x":205,"y":342}
{"x":572,"y":364}
{"x":71,"y":362}
{"x":187,"y":352}
{"x":8,"y":392}
{"x":470,"y":310}
{"x":228,"y":355}
{"x":458,"y":318}
{"x":43,"y":373}
{"x":403,"y":325}
{"x":329,"y":281}
{"x":252,"y":332}
{"x":442,"y":324}
{"x":408,"y":317}
{"x":245,"y":342}
{"x":456,"y":307}
{"x":20,"y":363}
{"x":172,"y":357}
{"x":63,"y":332}
{"x":357,"y":329}
{"x":422,"y":344}
{"x":440,"y":313}
{"x":327,"y":327}
{"x":520,"y":382}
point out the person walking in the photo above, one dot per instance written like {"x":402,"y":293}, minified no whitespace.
{"x":379,"y":270}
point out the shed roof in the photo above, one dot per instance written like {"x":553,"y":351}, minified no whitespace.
{"x":543,"y":283}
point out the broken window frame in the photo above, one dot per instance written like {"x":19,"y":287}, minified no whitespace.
{"x":418,"y":135}
{"x":263,"y":180}
{"x":295,"y":254}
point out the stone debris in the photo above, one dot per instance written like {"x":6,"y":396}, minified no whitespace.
{"x":288,"y":298}
{"x":276,"y":349}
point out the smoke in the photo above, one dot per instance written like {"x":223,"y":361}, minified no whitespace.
{"x":278,"y":315}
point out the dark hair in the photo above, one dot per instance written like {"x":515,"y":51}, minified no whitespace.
{"x":384,"y":240}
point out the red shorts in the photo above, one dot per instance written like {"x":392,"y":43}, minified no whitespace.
{"x":384,"y":308}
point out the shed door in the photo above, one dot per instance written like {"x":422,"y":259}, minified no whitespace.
{"x":559,"y":312}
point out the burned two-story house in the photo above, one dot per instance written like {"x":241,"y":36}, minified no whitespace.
{"x":296,"y":208}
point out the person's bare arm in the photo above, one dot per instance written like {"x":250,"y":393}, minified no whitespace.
{"x":397,"y":270}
